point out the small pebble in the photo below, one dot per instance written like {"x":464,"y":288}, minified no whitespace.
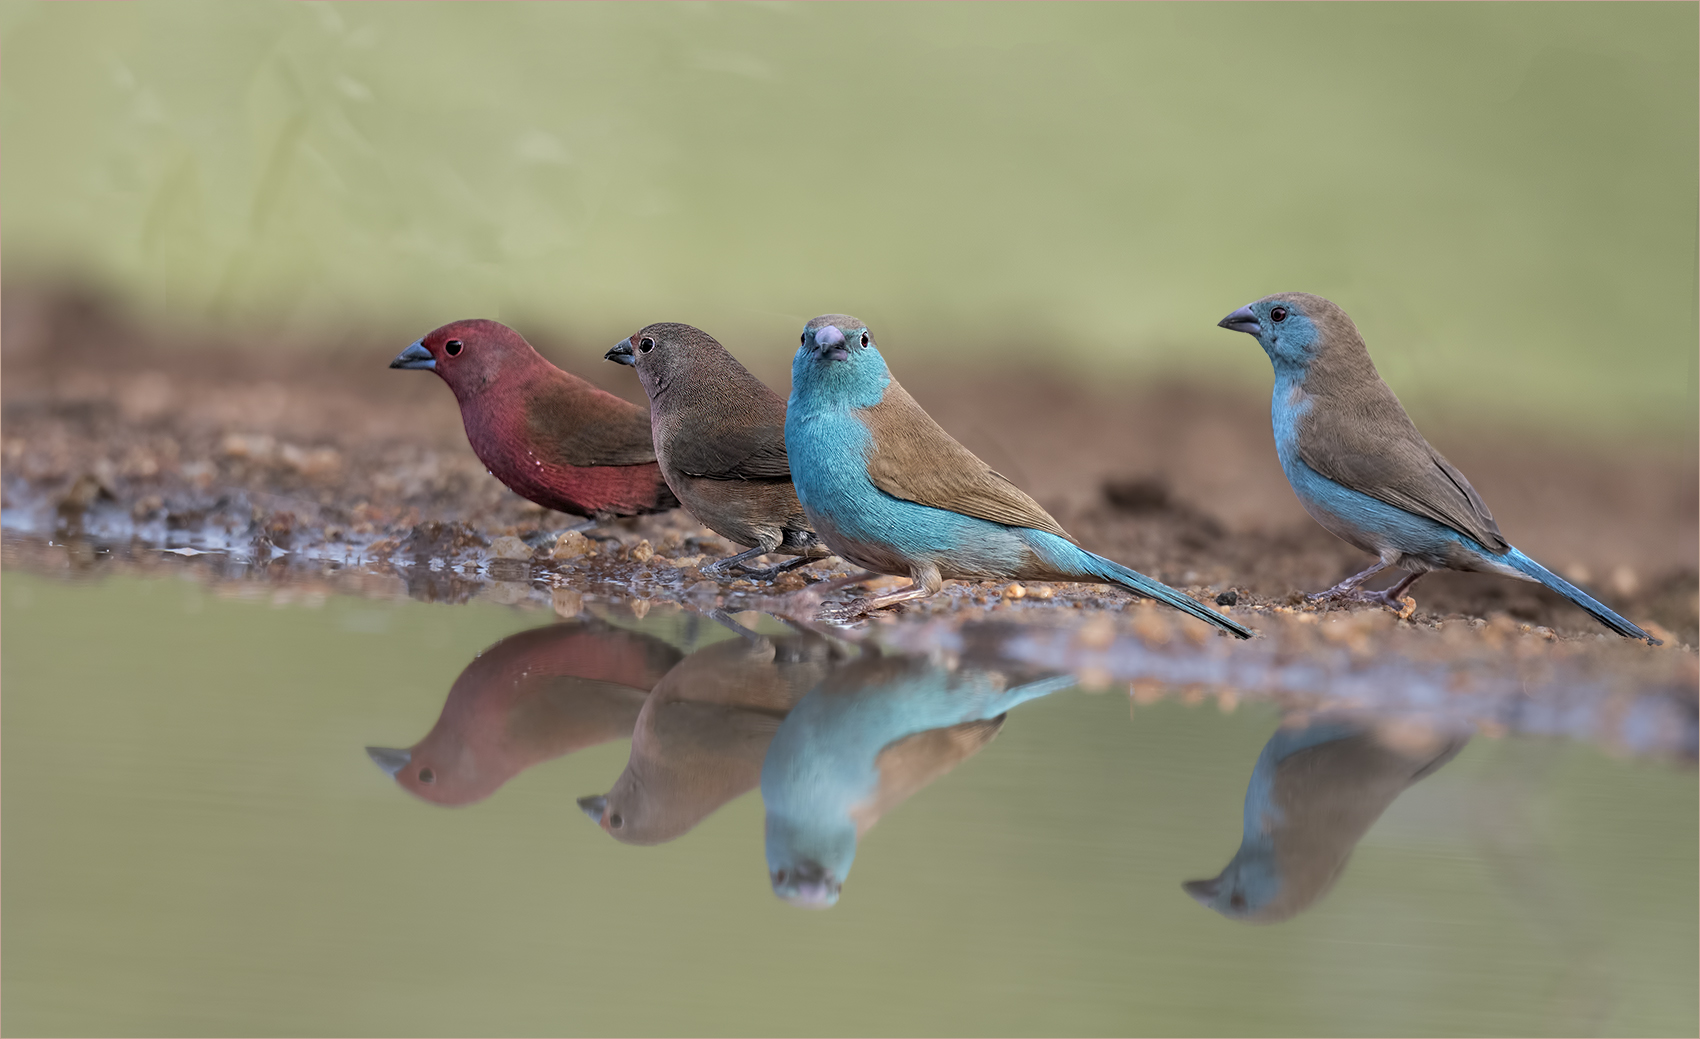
{"x":568,"y":602}
{"x":572,"y":545}
{"x":510,"y":547}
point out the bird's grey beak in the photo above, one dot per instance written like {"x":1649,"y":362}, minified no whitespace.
{"x":621,"y":353}
{"x":596,"y":805}
{"x":810,"y":886}
{"x":1242,"y":320}
{"x":388,"y":758}
{"x":813,"y":896}
{"x":1204,"y":891}
{"x":829,"y":343}
{"x":415,"y":356}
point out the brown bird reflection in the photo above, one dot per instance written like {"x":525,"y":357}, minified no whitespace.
{"x":701,"y":736}
{"x":529,"y":698}
{"x":1315,"y":791}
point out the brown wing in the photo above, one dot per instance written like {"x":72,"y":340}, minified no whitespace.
{"x":751,"y":451}
{"x":914,"y":761}
{"x":914,"y":459}
{"x":583,"y":426}
{"x":1360,"y":436}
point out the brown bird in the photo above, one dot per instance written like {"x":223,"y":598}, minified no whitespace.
{"x":551,"y":437}
{"x":701,"y":736}
{"x":530,"y":698}
{"x":720,"y":439}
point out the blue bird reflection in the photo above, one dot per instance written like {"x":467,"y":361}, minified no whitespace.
{"x":838,"y":733}
{"x":1317,"y":787}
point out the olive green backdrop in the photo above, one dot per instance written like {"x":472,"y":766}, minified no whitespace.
{"x":1503,"y":195}
{"x":196,"y":844}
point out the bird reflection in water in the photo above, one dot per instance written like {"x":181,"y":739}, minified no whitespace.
{"x":530,"y":698}
{"x":871,"y":735}
{"x":1316,"y":789}
{"x":701,"y":736}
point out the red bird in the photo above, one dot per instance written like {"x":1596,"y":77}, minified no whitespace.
{"x":530,"y":698}
{"x":551,"y":437}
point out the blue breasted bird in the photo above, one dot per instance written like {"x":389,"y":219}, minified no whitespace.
{"x":1315,"y":791}
{"x":869,"y":736}
{"x":888,"y":490}
{"x":1361,"y":469}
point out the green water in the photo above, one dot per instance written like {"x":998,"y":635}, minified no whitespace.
{"x":197,"y":844}
{"x":1502,"y":195}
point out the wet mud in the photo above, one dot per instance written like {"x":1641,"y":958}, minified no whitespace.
{"x":313,"y":469}
{"x":293,"y":473}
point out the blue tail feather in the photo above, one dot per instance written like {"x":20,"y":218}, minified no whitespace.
{"x":1600,"y":611}
{"x":1034,"y":690}
{"x":1073,"y":558}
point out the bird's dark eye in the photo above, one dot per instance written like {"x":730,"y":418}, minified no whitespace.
{"x":1278,"y":314}
{"x":864,"y":340}
{"x":453,"y":347}
{"x":427,"y":776}
{"x":779,"y":878}
{"x":646,"y":344}
{"x":615,"y":821}
{"x":803,"y":340}
{"x":1236,"y":899}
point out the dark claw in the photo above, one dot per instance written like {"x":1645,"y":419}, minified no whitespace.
{"x":769,"y":573}
{"x":1358,"y":595}
{"x":843,"y":612}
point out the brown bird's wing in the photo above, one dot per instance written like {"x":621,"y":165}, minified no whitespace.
{"x":914,"y":761}
{"x":1359,"y":435}
{"x":916,"y":460}
{"x":584,"y":426}
{"x":753,"y":451}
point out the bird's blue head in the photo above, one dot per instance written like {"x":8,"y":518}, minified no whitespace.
{"x":839,"y":364}
{"x":1287,"y":325}
{"x":807,"y":860}
{"x":1242,"y":891}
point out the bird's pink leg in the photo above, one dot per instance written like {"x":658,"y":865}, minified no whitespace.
{"x":880,"y":602}
{"x":1348,"y":589}
{"x":925,"y":581}
{"x":1391,"y":597}
{"x":823,"y":587}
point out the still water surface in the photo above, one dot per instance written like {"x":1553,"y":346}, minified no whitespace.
{"x":581,"y":827}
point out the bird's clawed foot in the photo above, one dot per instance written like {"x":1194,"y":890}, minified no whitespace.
{"x":1405,"y":606}
{"x":1349,"y":591}
{"x":770,"y":572}
{"x":859,"y":608}
{"x":1348,"y":595}
{"x":846,"y":612}
{"x":739,"y":565}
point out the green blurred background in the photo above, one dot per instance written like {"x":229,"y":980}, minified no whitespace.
{"x":1502,"y":195}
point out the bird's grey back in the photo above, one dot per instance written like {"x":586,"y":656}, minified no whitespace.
{"x":1357,"y":433}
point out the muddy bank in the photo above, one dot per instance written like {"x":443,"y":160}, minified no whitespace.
{"x":124,"y":438}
